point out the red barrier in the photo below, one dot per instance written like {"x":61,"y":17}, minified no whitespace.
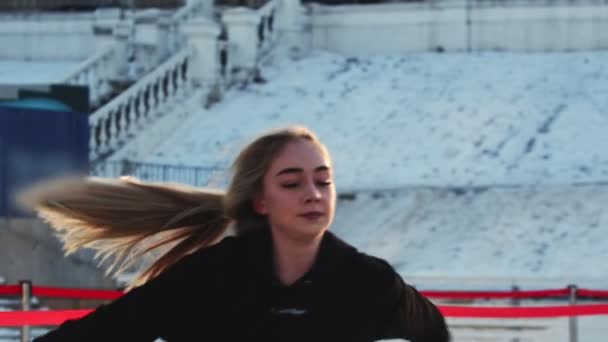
{"x":525,"y":312}
{"x":592,"y":293}
{"x":54,"y":292}
{"x":496,"y":294}
{"x":52,"y":318}
{"x":10,"y":290}
{"x":41,"y":318}
{"x":58,"y":292}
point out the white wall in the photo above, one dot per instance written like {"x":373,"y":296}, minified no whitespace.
{"x":458,"y":25}
{"x":579,"y":25}
{"x":390,"y":28}
{"x":47,"y":37}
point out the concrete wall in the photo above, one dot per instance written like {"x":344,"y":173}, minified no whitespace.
{"x":77,"y":36}
{"x":558,"y":26}
{"x":29,"y":251}
{"x":456,"y":25}
{"x":390,"y":28}
{"x":47,"y":5}
{"x":47,"y":37}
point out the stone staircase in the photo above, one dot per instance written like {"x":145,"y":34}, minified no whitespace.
{"x":187,"y":81}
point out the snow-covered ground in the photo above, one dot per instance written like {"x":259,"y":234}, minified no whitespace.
{"x":488,"y":169}
{"x":533,"y":237}
{"x":13,"y":72}
{"x":424,"y":119}
{"x":527,"y":131}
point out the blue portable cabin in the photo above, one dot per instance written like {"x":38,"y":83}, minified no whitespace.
{"x":41,"y":136}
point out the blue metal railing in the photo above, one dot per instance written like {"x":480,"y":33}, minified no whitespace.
{"x":191,"y":175}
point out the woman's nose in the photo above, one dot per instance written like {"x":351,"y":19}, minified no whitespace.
{"x":313,"y":193}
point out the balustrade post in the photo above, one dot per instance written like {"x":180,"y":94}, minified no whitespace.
{"x":93,"y":127}
{"x":242,"y":25}
{"x":169,"y":84}
{"x":141,"y":108}
{"x":135,"y":118}
{"x":163,"y":89}
{"x":182,"y":77}
{"x":164,"y":42}
{"x":287,"y":21}
{"x":175,"y":41}
{"x":268,"y":26}
{"x":103,"y":134}
{"x":203,"y":63}
{"x":122,"y":34}
{"x":92,"y":84}
{"x":154,"y":90}
{"x":104,"y":22}
{"x":113,"y":117}
{"x":176,"y":80}
{"x":147,"y":99}
{"x":102,"y":83}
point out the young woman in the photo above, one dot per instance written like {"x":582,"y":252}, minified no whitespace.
{"x":282,"y":276}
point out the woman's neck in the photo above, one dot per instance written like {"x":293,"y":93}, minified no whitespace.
{"x":293,"y":258}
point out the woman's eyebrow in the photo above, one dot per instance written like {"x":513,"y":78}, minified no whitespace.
{"x":292,"y":170}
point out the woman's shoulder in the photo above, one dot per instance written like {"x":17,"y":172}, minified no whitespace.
{"x":221,"y":250}
{"x":369,"y":269}
{"x":375,"y":265}
{"x":229,"y":250}
{"x":210,"y":258}
{"x":377,"y":270}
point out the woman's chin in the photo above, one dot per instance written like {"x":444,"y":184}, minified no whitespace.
{"x":313,"y":230}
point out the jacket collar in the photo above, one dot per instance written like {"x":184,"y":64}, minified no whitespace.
{"x":333,"y":257}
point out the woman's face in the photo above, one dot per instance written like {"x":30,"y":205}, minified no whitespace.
{"x":298,"y":194}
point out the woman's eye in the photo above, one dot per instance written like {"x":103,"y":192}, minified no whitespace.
{"x":297,"y":184}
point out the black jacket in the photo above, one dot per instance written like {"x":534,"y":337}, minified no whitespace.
{"x":228,"y":292}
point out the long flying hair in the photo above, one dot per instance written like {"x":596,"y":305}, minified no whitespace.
{"x":124,"y":219}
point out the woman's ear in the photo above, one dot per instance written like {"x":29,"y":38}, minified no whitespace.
{"x":259,"y":205}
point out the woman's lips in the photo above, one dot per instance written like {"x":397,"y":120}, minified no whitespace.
{"x":312,"y":215}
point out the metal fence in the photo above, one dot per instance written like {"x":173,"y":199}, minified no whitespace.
{"x":190,"y":175}
{"x":51,"y":5}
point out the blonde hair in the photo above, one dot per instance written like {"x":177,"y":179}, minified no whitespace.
{"x":125,"y":219}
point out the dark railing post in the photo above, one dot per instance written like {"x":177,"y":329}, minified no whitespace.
{"x":572,"y":320}
{"x":26,"y":296}
{"x":515,"y":301}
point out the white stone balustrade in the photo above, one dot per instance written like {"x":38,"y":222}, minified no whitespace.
{"x":94,"y":73}
{"x":288,"y":23}
{"x":252,"y":32}
{"x":202,"y":37}
{"x":124,"y":116}
{"x":267,"y":24}
{"x":193,"y":9}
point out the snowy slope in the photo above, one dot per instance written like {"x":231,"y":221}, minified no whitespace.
{"x":530,"y":127}
{"x":427,"y":119}
{"x":522,"y":233}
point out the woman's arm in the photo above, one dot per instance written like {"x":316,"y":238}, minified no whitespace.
{"x":129,"y":318}
{"x":142,"y":314}
{"x":414,"y":317}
